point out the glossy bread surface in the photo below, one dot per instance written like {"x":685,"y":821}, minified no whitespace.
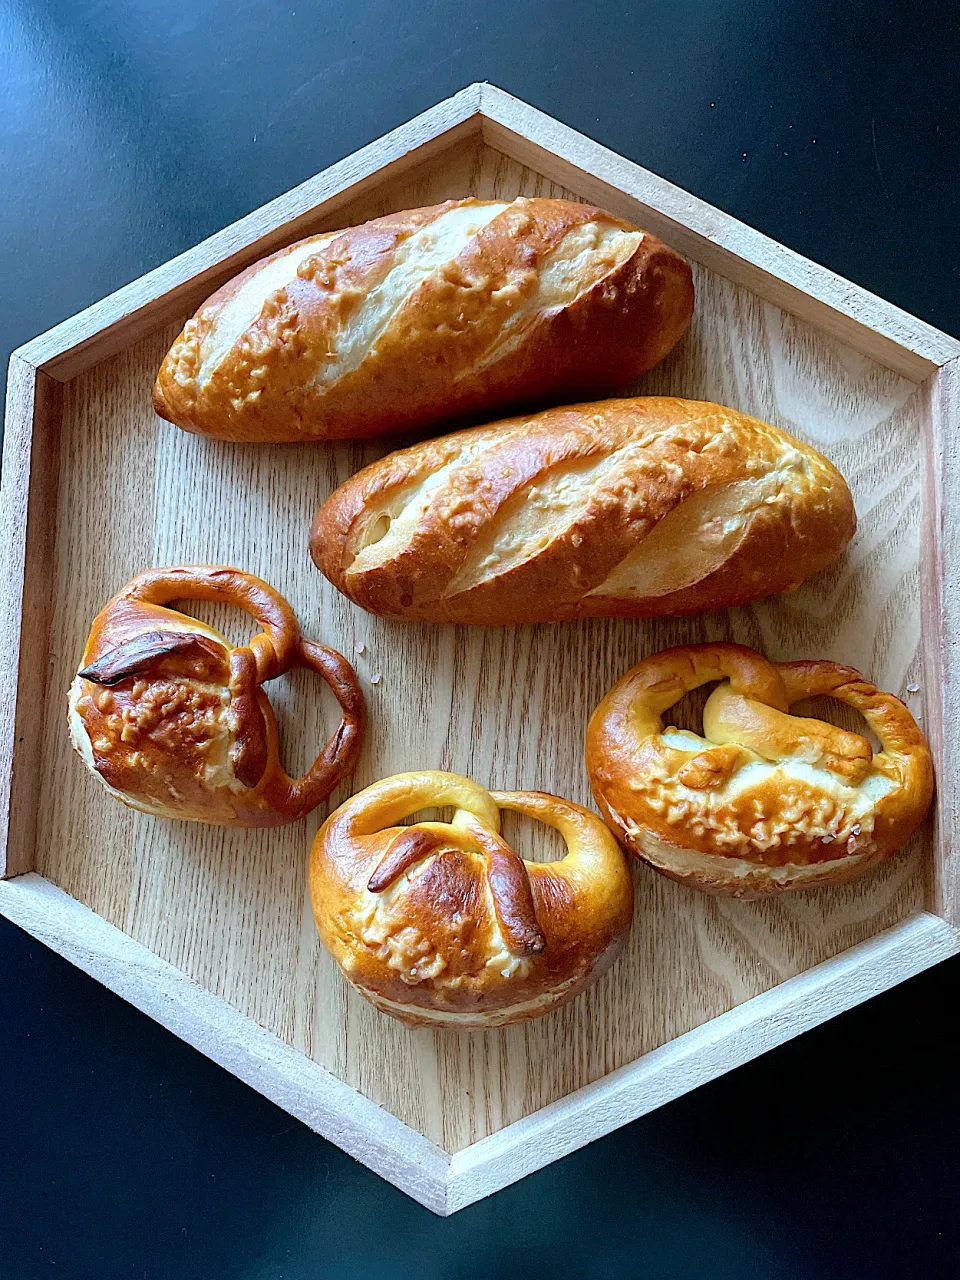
{"x":764,"y":800}
{"x":171,"y":718}
{"x":444,"y":924}
{"x":462,"y":307}
{"x":635,"y":507}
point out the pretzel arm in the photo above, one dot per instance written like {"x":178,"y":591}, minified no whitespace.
{"x":339,"y":756}
{"x":250,"y":752}
{"x":886,"y":715}
{"x":274,"y":652}
{"x":773,"y":735}
{"x":510,"y":890}
{"x":403,"y":853}
{"x":640,"y":698}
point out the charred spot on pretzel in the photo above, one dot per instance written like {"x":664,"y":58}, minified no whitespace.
{"x":140,"y":653}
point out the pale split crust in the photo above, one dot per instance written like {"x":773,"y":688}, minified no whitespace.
{"x":171,"y":718}
{"x":463,"y":933}
{"x":483,"y":330}
{"x":639,"y":507}
{"x":765,"y":801}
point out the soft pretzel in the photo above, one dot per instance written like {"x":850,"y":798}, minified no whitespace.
{"x":764,"y":801}
{"x":172,"y":719}
{"x":410,"y":319}
{"x":635,"y":507}
{"x":444,"y":924}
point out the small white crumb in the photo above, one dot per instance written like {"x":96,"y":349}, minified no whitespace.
{"x":376,"y":679}
{"x":913,"y":688}
{"x":855,"y":828}
{"x":361,"y":649}
{"x":826,"y":839}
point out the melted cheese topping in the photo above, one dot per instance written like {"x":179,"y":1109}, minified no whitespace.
{"x":81,"y":742}
{"x":381,"y":922}
{"x":836,"y":811}
{"x":218,"y":770}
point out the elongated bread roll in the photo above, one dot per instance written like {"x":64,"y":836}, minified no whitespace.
{"x":463,"y":307}
{"x":637,"y":507}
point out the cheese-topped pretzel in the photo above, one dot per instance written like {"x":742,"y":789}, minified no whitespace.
{"x":443,"y":923}
{"x":764,"y":800}
{"x":172,"y":718}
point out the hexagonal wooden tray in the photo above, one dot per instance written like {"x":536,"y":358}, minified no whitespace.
{"x":209,"y":930}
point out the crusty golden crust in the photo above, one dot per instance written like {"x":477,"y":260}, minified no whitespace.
{"x":172,"y":719}
{"x":764,"y":801}
{"x":463,"y":307}
{"x":637,"y":507}
{"x":443,"y":924}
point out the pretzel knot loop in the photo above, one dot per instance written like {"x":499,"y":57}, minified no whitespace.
{"x":444,"y":922}
{"x":763,"y":800}
{"x":173,"y":719}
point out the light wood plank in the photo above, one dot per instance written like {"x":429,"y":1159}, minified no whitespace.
{"x":230,"y":907}
{"x":941,"y":623}
{"x":239,"y":1044}
{"x":27,"y":497}
{"x":698,"y":230}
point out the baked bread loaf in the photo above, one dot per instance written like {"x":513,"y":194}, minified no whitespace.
{"x":171,"y":718}
{"x":443,"y":924}
{"x":624,"y":507}
{"x":464,"y":307}
{"x":764,"y":801}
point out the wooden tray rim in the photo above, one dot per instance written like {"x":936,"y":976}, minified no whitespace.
{"x":438,"y":1180}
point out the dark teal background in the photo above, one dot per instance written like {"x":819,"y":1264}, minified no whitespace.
{"x":131,"y":129}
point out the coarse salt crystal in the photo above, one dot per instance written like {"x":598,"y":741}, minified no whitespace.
{"x":361,"y":649}
{"x":376,"y":679}
{"x":913,"y":688}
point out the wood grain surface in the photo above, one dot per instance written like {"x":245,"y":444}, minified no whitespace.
{"x":507,"y":707}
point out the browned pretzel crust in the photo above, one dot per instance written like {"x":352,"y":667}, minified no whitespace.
{"x":444,"y":924}
{"x":764,"y":801}
{"x":172,"y":718}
